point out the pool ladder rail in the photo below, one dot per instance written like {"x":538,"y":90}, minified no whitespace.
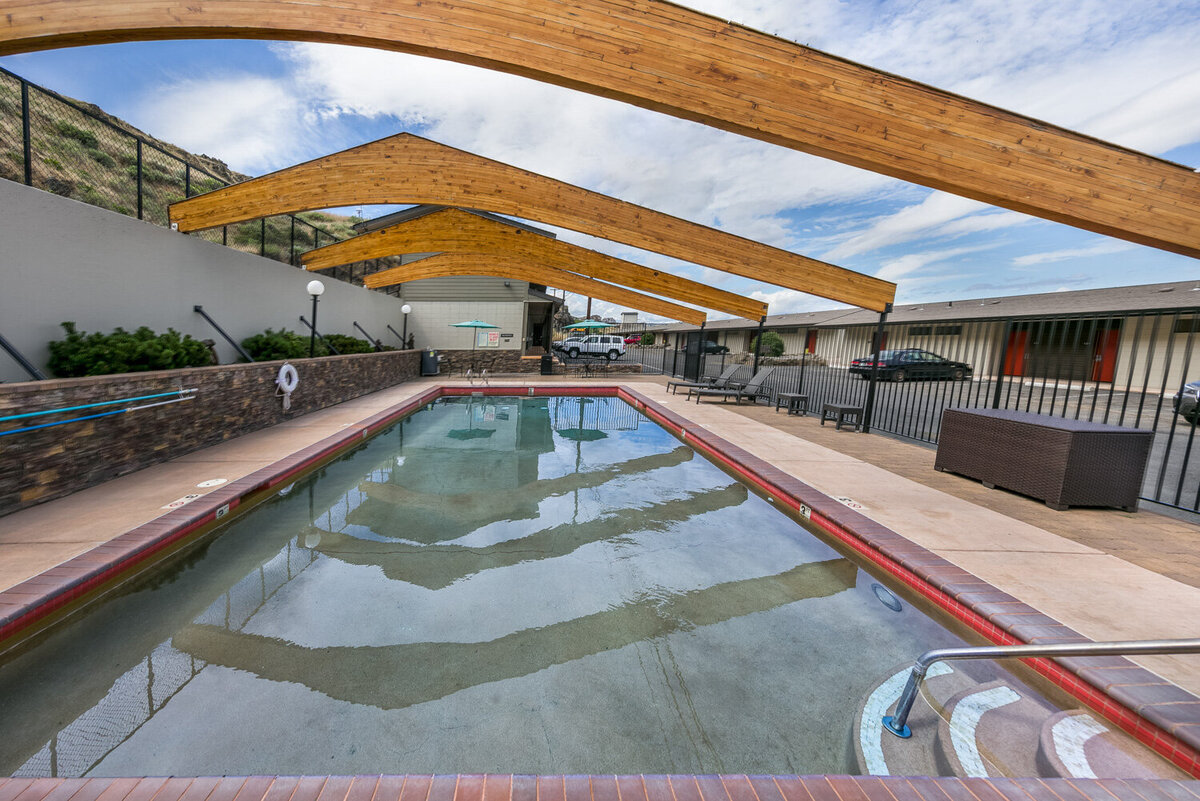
{"x":897,"y":723}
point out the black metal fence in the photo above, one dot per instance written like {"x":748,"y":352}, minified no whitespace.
{"x":53,"y":143}
{"x":1121,"y":368}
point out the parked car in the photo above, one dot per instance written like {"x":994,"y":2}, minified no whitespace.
{"x":566,"y":344}
{"x":713,"y":347}
{"x":1187,"y":402}
{"x":901,"y":365}
{"x":636,"y":339}
{"x":608,"y":345}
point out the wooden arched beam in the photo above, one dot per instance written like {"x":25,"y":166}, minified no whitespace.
{"x":662,"y":56}
{"x":405,"y":169}
{"x":457,"y":264}
{"x":457,"y":231}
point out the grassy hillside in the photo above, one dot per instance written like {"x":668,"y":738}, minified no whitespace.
{"x":93,"y":157}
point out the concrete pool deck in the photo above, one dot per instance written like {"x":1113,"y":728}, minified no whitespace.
{"x":1089,"y":569}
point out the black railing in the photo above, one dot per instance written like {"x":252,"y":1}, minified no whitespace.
{"x":54,"y":143}
{"x":1121,"y":368}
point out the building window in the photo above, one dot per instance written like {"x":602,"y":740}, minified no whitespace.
{"x":937,"y":331}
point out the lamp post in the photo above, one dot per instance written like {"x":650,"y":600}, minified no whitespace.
{"x":315,"y":288}
{"x":405,"y":309}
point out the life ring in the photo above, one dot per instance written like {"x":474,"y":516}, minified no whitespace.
{"x":288,"y":379}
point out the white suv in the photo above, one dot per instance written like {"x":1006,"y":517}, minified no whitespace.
{"x":608,"y":345}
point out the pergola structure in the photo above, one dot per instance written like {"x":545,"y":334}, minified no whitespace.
{"x":458,"y":264}
{"x":405,"y":169}
{"x":488,"y":242}
{"x":671,"y":59}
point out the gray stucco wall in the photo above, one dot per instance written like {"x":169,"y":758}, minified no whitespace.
{"x":64,"y":260}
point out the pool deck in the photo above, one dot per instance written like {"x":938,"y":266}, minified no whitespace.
{"x":1109,"y":575}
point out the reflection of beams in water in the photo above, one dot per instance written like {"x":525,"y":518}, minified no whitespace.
{"x":471,"y":510}
{"x":398,"y":676}
{"x":437,"y":566}
{"x":142,"y":691}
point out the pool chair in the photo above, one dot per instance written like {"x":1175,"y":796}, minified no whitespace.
{"x":752,"y":389}
{"x":720,"y":382}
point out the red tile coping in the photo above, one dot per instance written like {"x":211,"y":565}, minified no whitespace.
{"x":505,"y":787}
{"x":1156,"y":712}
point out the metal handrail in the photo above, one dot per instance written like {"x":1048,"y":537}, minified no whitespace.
{"x":897,"y":724}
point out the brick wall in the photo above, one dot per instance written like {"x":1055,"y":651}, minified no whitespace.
{"x":231,"y":400}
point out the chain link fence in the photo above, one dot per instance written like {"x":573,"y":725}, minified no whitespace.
{"x":53,"y":143}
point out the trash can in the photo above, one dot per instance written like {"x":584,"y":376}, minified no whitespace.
{"x":547,"y":364}
{"x":429,"y":362}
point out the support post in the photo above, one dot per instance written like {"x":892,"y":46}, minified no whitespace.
{"x":758,"y":343}
{"x":187,"y":180}
{"x":398,"y":336}
{"x":292,"y":252}
{"x":262,"y":238}
{"x":876,"y":346}
{"x":139,"y":179}
{"x":324,"y":341}
{"x":26,"y":139}
{"x":312,"y":337}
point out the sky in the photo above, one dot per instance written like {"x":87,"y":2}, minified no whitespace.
{"x":1128,"y":73}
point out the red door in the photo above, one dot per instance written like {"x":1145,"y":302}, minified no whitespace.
{"x":1105,"y":362}
{"x":1014,"y":357}
{"x":810,"y":341}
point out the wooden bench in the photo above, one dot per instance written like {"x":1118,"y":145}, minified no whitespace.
{"x":842,"y":412}
{"x":796,"y":403}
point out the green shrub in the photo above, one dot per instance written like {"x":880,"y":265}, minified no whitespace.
{"x":772,"y":344}
{"x":84,"y":137}
{"x":80,"y":354}
{"x":647,"y":339}
{"x":272,"y":345}
{"x":347,"y":344}
{"x":100,"y":157}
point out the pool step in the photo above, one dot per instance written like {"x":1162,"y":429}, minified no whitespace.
{"x":979,"y":721}
{"x":1076,"y":744}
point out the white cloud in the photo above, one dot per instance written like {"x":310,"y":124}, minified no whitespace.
{"x":252,"y":123}
{"x":1070,"y":254}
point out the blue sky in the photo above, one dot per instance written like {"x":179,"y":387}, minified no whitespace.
{"x":1125,"y":72}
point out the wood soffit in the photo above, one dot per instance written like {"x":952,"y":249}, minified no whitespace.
{"x":405,"y":169}
{"x":456,"y":231}
{"x":672,"y":59}
{"x":446,"y":265}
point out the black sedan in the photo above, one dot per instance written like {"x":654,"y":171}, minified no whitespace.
{"x":901,"y":365}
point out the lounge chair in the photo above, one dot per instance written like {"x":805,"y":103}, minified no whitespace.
{"x":720,"y":382}
{"x":752,"y":389}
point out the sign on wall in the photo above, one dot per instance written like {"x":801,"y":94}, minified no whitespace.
{"x":487,"y":339}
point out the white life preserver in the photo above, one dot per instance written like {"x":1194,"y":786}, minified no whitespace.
{"x":287,"y":381}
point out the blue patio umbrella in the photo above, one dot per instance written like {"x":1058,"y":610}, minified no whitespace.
{"x":584,"y":325}
{"x":473,"y":324}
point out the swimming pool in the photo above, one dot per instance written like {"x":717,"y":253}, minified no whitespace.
{"x":494,"y":584}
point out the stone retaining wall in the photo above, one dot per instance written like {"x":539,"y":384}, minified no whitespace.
{"x":231,"y":400}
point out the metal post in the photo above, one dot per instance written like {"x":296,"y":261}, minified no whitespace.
{"x":139,"y":178}
{"x":675,"y":352}
{"x":1000,"y":363}
{"x":758,"y":343}
{"x":869,"y":406}
{"x":324,"y":341}
{"x":200,"y":310}
{"x":27,"y":141}
{"x":262,"y":237}
{"x":28,"y":366}
{"x":292,"y":252}
{"x":187,"y":180}
{"x":370,"y":338}
{"x":225,"y":235}
{"x":393,"y":330}
{"x":312,"y":337}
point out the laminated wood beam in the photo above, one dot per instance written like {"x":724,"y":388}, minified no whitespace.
{"x":456,"y":264}
{"x":671,"y":59}
{"x":405,"y":169}
{"x":457,"y":231}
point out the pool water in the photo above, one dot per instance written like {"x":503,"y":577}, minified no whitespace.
{"x":531,"y":585}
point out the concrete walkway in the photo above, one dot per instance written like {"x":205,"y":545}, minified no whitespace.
{"x":1108,"y":574}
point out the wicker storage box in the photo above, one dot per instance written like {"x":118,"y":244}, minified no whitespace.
{"x":1062,"y":462}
